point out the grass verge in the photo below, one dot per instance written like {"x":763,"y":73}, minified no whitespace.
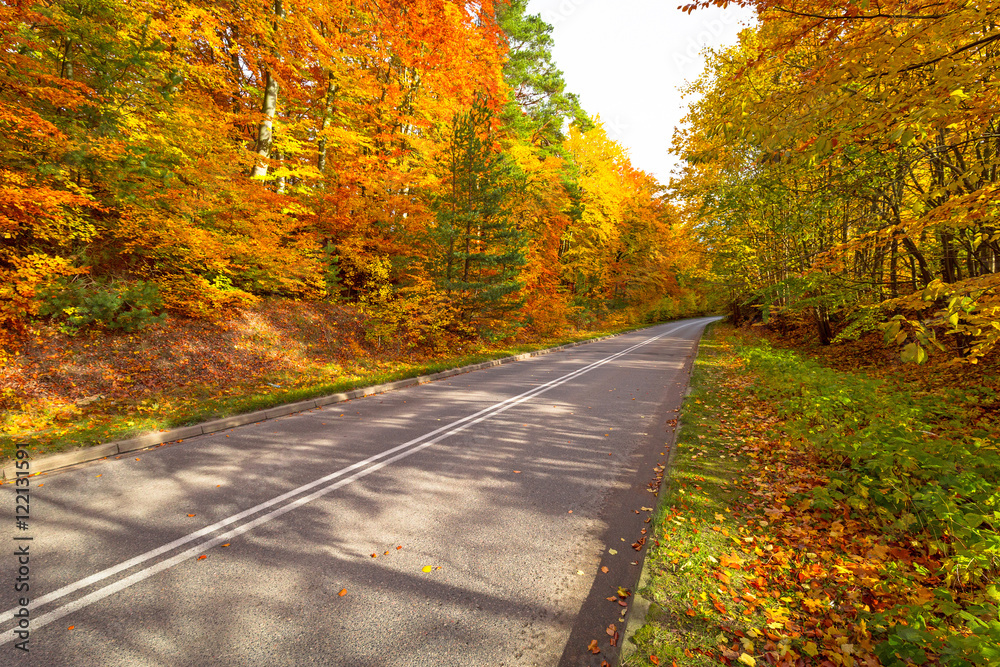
{"x":816,"y":517}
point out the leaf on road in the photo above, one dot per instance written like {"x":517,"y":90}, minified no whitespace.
{"x":202,"y":557}
{"x":593,"y":647}
{"x":427,"y":568}
{"x":343,"y":592}
{"x":613,"y":552}
{"x":604,"y":569}
{"x":192,"y":515}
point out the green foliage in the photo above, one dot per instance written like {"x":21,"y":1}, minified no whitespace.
{"x":665,"y":310}
{"x":903,"y":462}
{"x":331,"y":276}
{"x":539,"y":105}
{"x":125,"y":306}
{"x":889,"y":463}
{"x":482,"y":248}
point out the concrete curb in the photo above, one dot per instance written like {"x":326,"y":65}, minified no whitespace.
{"x":151,"y":439}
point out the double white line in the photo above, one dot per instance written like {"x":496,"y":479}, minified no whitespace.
{"x":373,"y":463}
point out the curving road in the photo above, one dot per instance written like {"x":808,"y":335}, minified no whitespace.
{"x":510,"y":484}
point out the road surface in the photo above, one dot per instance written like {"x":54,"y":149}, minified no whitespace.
{"x":307,"y":540}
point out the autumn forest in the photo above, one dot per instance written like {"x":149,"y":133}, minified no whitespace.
{"x":421,"y":159}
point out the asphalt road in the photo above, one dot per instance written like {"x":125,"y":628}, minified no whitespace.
{"x":513,"y":484}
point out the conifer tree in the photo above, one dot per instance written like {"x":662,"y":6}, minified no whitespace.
{"x":482,"y":249}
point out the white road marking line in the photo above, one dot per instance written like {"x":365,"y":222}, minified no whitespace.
{"x":415,"y":445}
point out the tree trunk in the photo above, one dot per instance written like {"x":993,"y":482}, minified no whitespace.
{"x":327,"y":119}
{"x":269,"y":106}
{"x":265,"y":130}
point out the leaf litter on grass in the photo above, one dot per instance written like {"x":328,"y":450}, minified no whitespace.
{"x":760,"y":557}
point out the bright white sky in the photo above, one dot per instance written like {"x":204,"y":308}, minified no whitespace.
{"x":628,"y":59}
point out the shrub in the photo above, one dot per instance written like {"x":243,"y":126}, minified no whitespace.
{"x":112,"y":304}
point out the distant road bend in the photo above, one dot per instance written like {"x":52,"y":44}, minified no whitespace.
{"x":461,"y":522}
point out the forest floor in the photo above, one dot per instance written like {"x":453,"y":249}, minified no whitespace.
{"x":59,"y":391}
{"x":827,"y":506}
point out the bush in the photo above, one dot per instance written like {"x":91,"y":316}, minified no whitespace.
{"x":112,"y":304}
{"x":195,"y":296}
{"x":665,"y":310}
{"x":417,"y":316}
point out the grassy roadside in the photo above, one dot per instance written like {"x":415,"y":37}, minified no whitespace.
{"x":815,"y":517}
{"x":65,"y":426}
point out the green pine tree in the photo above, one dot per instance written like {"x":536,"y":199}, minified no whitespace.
{"x":482,"y":248}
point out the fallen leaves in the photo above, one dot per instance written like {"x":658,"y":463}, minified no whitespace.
{"x":343,"y":592}
{"x":731,"y":560}
{"x":593,"y":647}
{"x":791,"y":573}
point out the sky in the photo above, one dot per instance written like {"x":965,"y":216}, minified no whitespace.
{"x":628,"y":59}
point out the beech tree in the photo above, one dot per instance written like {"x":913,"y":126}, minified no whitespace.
{"x":851,"y":155}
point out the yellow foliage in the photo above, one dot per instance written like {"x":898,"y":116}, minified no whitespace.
{"x":194,"y":296}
